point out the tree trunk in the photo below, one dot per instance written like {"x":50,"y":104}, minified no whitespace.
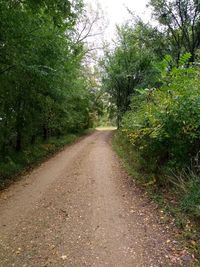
{"x":33,"y":139}
{"x":45,"y":133}
{"x":18,"y":144}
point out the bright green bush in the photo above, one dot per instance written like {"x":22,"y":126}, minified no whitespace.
{"x":164,"y":124}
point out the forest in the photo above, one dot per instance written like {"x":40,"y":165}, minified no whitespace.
{"x":148,"y":81}
{"x":47,"y":94}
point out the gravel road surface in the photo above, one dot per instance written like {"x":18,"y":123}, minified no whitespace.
{"x":79,"y":209}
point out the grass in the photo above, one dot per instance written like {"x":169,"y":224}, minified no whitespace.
{"x":179,"y":202}
{"x":20,"y":162}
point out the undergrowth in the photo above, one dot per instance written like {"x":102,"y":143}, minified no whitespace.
{"x":179,"y":200}
{"x":17,"y":162}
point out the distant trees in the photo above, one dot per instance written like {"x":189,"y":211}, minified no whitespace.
{"x":130,"y":66}
{"x":136,"y":60}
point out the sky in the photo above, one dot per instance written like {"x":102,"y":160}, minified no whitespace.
{"x":115,"y":12}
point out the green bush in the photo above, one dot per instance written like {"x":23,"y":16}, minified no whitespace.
{"x":191,"y":200}
{"x":164,"y":124}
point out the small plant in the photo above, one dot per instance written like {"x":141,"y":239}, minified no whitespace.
{"x":191,"y":200}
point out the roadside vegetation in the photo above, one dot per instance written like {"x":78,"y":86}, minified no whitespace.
{"x":153,"y":78}
{"x":32,"y":155}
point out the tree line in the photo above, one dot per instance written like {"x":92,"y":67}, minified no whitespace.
{"x":44,"y":90}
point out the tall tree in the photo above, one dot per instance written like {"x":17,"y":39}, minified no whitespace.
{"x":181,"y":18}
{"x":42,"y":92}
{"x":129,"y":67}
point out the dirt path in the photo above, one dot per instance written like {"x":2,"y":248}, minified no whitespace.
{"x":79,"y":209}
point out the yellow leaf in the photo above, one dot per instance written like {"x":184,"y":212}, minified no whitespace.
{"x":193,"y":242}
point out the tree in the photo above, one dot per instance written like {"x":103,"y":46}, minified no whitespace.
{"x":181,"y":18}
{"x":42,"y":90}
{"x":129,"y":67}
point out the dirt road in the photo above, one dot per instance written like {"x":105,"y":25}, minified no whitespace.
{"x":80,"y":209}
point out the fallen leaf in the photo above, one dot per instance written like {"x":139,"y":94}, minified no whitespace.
{"x":193,"y":242}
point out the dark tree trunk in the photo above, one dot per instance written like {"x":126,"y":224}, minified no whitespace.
{"x":45,"y":133}
{"x":33,"y":139}
{"x":18,"y":144}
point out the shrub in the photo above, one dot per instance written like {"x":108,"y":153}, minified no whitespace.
{"x":191,"y":200}
{"x":164,"y":124}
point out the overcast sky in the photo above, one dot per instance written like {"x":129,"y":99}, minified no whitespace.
{"x":116,"y":13}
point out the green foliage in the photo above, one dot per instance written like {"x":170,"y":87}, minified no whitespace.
{"x":135,"y":61}
{"x":180,"y":19}
{"x":43,"y":90}
{"x":162,"y":133}
{"x":184,"y":59}
{"x":164,"y":126}
{"x":130,"y":157}
{"x":191,"y":201}
{"x":30,"y":156}
{"x":180,"y":204}
{"x":130,"y":66}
